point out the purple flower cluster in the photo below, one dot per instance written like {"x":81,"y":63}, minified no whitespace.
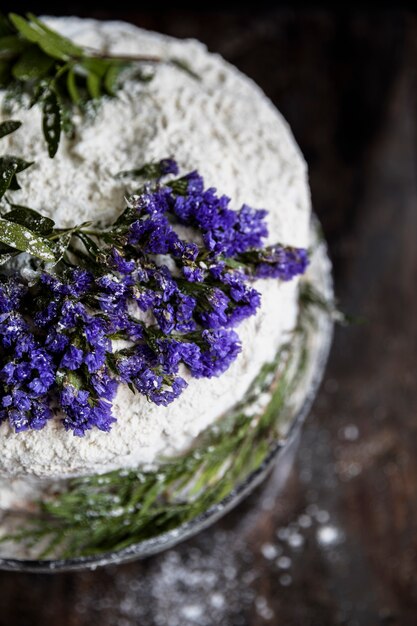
{"x":174,"y":302}
{"x":280,"y":262}
{"x":26,"y":368}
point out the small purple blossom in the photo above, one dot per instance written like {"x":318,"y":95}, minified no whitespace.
{"x":11,"y":295}
{"x":72,"y":358}
{"x":213,"y":307}
{"x":193,"y":274}
{"x":82,"y":412}
{"x":220,"y":348}
{"x":154,"y":235}
{"x":120,"y":263}
{"x":168,"y":166}
{"x":282,"y":263}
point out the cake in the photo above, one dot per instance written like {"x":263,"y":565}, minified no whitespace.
{"x":212,"y":119}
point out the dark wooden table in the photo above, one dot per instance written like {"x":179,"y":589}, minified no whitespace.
{"x":338,"y":544}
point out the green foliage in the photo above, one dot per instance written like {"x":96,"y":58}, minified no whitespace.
{"x":25,"y":240}
{"x":21,"y":229}
{"x":10,"y":165}
{"x":9,"y":127}
{"x":51,"y":121}
{"x":52,"y":70}
{"x":31,"y":219}
{"x":58,"y":74}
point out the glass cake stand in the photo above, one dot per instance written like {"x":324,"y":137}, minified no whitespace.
{"x":279,"y":455}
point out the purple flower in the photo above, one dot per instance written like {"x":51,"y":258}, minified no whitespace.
{"x":101,"y":415}
{"x":165,"y":395}
{"x":8,"y":372}
{"x":72,"y":358}
{"x":11,"y":294}
{"x":83,"y":412}
{"x":79,"y":282}
{"x":168,"y":166}
{"x":212,"y":308}
{"x":56,"y":342}
{"x":14,"y":329}
{"x":95,"y":329}
{"x":46,"y":316}
{"x":95,"y":359}
{"x":120,"y":263}
{"x":193,"y":274}
{"x":244,"y":300}
{"x":152,"y":203}
{"x":219,"y":349}
{"x":163,"y":282}
{"x":72,"y":313}
{"x":75,"y":282}
{"x":188,"y":251}
{"x":195,"y":183}
{"x":154,"y":234}
{"x":104,"y":385}
{"x":41,"y":413}
{"x":185,"y":208}
{"x":282,"y":263}
{"x":165,"y":316}
{"x":249,"y":230}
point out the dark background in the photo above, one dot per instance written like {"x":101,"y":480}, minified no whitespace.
{"x":338,"y":544}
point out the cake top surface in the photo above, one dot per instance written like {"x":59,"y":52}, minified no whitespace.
{"x":222,"y":125}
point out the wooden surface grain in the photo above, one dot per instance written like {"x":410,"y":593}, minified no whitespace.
{"x":336,"y":544}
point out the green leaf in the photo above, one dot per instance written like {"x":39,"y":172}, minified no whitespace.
{"x":125,"y":218}
{"x":14,"y":185}
{"x":40,"y":88}
{"x":16,"y":162}
{"x":32,"y":64}
{"x":149,"y":171}
{"x":74,"y":379}
{"x":61,"y":246}
{"x":66,"y":45}
{"x":72,"y":86}
{"x":9,"y":167}
{"x":4,"y":73}
{"x":51,"y":122}
{"x":112,"y":77}
{"x":5,"y":28}
{"x":96,"y":66}
{"x":11,"y":45}
{"x":51,"y":42}
{"x":25,"y":240}
{"x":90,"y":245}
{"x":67,"y":123}
{"x":233,"y":263}
{"x":30,"y":218}
{"x":7,"y":172}
{"x":94,"y":85}
{"x":9,"y":127}
{"x":183,"y":65}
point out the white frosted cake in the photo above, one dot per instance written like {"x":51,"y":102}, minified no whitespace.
{"x":225,"y":127}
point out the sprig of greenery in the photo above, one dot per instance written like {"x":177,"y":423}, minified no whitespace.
{"x":58,"y":74}
{"x":51,"y":70}
{"x":22,"y":229}
{"x":112,"y":511}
